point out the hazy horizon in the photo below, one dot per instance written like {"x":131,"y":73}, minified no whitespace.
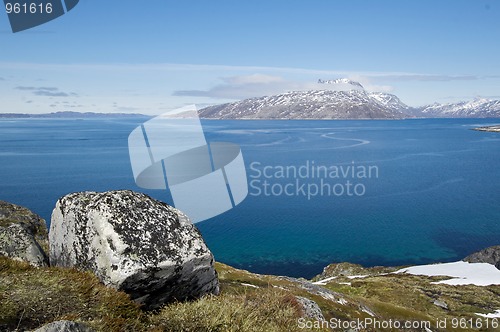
{"x":154,"y":57}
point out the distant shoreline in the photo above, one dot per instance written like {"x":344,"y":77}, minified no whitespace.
{"x":94,"y":115}
{"x":71,"y":115}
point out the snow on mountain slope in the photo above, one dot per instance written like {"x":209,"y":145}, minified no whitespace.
{"x":315,"y":104}
{"x":477,"y":108}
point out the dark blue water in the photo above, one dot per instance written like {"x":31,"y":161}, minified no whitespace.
{"x":435,"y":198}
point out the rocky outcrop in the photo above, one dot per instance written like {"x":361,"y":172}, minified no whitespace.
{"x":64,"y":326}
{"x":440,"y":304}
{"x":133,"y":243}
{"x":489,"y":255}
{"x":23,"y":234}
{"x":310,"y":309}
{"x":339,"y":270}
{"x":493,"y":129}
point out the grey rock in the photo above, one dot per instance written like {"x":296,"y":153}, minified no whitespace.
{"x":133,"y":243}
{"x":327,"y":294}
{"x":23,"y":234}
{"x":440,"y":304}
{"x":489,"y":255}
{"x":64,"y":326}
{"x":310,"y":309}
{"x":342,"y":270}
{"x":315,"y":289}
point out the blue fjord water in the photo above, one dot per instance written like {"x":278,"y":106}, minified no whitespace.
{"x":395,"y":192}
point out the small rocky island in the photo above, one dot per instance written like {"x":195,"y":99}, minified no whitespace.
{"x":122,"y":261}
{"x":495,"y":129}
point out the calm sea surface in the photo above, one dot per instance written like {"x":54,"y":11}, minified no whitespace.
{"x":368,"y":192}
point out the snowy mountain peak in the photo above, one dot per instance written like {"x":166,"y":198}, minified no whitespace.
{"x":344,"y":82}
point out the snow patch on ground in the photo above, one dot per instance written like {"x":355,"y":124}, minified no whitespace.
{"x":496,"y":314}
{"x":341,"y":301}
{"x":358,"y":276}
{"x":461,"y":273}
{"x":324,"y":281}
{"x":368,"y":311}
{"x":327,"y":296}
{"x":249,"y":285}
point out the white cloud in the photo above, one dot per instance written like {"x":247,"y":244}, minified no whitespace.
{"x":253,"y":79}
{"x":168,"y":67}
{"x":258,"y":85}
{"x":46,"y":91}
{"x":430,"y":77}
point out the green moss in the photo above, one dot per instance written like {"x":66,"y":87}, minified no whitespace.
{"x":257,"y":310}
{"x":33,"y":297}
{"x":410,"y":297}
{"x":232,"y":279}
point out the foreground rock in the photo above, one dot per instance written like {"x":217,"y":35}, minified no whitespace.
{"x":23,"y":234}
{"x":64,"y":326}
{"x":133,"y":243}
{"x":310,"y":309}
{"x":489,"y":255}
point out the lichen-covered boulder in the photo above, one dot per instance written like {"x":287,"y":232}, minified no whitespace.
{"x":133,"y":243}
{"x":23,"y":234}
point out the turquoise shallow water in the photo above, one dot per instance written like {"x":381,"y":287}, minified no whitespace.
{"x":435,"y":195}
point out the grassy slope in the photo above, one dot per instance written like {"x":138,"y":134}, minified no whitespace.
{"x":30,"y":297}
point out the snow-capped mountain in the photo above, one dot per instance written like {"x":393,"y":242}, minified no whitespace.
{"x":477,"y":108}
{"x":343,"y":81}
{"x":315,"y":104}
{"x":391,"y":102}
{"x":345,"y":99}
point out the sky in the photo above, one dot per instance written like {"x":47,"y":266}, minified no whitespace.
{"x":153,"y":56}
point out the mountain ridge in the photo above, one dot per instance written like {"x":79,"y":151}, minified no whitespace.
{"x":345,"y":99}
{"x":313,"y":104}
{"x":479,"y":107}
